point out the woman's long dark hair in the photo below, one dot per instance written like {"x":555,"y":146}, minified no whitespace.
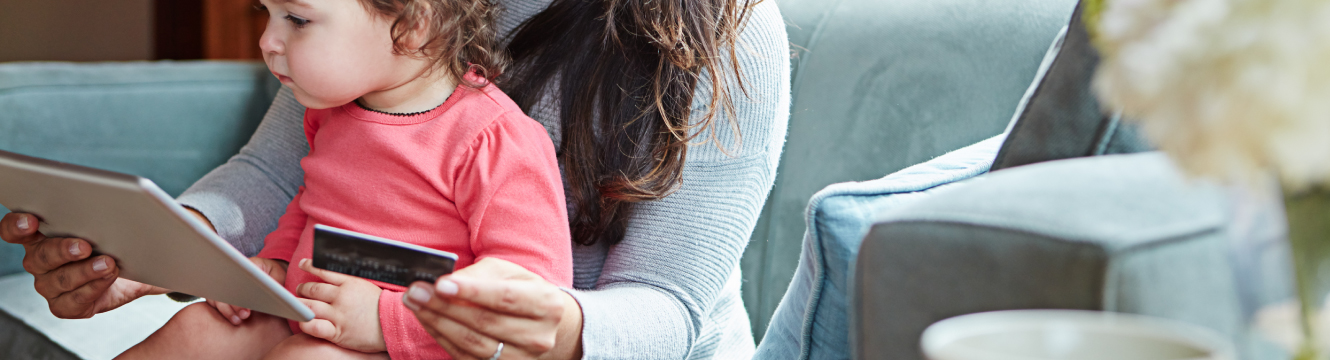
{"x":624,"y":73}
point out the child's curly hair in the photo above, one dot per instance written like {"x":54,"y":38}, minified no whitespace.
{"x":462,"y":34}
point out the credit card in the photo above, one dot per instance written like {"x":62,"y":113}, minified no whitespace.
{"x":375,"y":258}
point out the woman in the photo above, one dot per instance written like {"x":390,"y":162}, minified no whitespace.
{"x":668,"y":118}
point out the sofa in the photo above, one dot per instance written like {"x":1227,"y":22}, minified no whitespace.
{"x":878,"y":86}
{"x":1066,"y":209}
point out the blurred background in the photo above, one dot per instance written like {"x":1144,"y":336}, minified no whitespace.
{"x":121,"y":30}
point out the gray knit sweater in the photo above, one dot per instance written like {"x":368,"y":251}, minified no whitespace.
{"x":670,"y":289}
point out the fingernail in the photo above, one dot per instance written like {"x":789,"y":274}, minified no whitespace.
{"x":23,"y":223}
{"x":447,"y":287}
{"x":418,"y":294}
{"x":100,"y":265}
{"x":244,"y":313}
{"x":74,"y":249}
{"x":410,"y":304}
{"x":235,"y":319}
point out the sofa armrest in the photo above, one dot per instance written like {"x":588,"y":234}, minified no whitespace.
{"x":1123,"y":233}
{"x":881,"y":85}
{"x":812,"y":320}
{"x":168,"y":121}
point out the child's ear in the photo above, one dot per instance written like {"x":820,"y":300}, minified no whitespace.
{"x":419,"y":33}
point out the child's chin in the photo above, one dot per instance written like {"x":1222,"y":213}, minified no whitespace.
{"x":310,"y":102}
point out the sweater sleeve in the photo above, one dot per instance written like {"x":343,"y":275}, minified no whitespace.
{"x":281,"y":243}
{"x":660,"y":288}
{"x":508,"y":188}
{"x":244,"y":197}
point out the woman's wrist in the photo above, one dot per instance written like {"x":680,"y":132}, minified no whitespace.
{"x":569,"y":343}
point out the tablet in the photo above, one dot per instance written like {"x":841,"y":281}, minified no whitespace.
{"x":153,"y":239}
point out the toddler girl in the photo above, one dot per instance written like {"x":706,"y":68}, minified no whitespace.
{"x":409,"y":141}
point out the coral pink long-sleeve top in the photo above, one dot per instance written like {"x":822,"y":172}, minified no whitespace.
{"x":474,"y":177}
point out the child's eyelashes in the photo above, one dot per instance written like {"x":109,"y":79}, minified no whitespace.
{"x":298,"y":21}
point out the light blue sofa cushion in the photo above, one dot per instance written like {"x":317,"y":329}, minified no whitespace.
{"x":812,"y":320}
{"x":1124,"y":233}
{"x":167,"y":121}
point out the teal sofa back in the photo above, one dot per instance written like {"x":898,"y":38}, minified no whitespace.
{"x":879,"y":85}
{"x":171,"y":122}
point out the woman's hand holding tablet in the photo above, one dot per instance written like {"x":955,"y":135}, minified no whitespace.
{"x":133,"y":231}
{"x":76,"y":284}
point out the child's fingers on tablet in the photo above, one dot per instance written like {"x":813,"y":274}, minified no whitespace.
{"x":321,"y":309}
{"x":233,"y":314}
{"x":274,"y":268}
{"x":240,"y":313}
{"x":227,"y":311}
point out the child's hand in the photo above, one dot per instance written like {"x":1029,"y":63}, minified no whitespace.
{"x":235,"y":314}
{"x":346,"y":310}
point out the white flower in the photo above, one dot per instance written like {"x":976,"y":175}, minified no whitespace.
{"x":1229,"y":88}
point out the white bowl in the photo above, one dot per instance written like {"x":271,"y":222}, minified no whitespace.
{"x":1070,"y":335}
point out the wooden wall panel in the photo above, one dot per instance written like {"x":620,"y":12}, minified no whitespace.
{"x":76,"y":30}
{"x":231,"y":29}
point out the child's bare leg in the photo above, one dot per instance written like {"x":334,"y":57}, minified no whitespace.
{"x":302,"y":346}
{"x":199,"y":332}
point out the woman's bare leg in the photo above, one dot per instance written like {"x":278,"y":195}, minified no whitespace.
{"x":303,"y":346}
{"x":199,"y":332}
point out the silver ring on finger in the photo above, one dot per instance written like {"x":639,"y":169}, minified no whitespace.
{"x":497,"y":352}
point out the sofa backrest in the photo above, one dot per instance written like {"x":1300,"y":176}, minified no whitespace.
{"x":171,"y":122}
{"x":879,"y":85}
